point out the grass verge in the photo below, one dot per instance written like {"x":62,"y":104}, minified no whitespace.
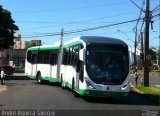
{"x":151,"y":92}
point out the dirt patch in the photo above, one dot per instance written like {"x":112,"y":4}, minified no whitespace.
{"x":3,"y":88}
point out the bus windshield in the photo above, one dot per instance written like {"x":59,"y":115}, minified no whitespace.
{"x":107,"y":64}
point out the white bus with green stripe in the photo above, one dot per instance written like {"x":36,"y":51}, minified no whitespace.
{"x":91,"y":66}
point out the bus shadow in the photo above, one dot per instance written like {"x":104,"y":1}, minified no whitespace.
{"x":14,"y":84}
{"x":47,"y":83}
{"x":132,"y":99}
{"x":17,"y":78}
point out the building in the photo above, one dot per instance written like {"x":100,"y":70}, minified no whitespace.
{"x":18,"y":44}
{"x":35,"y":42}
{"x":17,"y":53}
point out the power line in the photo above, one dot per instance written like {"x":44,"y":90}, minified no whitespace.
{"x":82,"y":30}
{"x":137,"y":6}
{"x":142,"y":6}
{"x":155,"y":9}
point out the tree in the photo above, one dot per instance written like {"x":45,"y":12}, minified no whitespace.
{"x":7,"y":28}
{"x":159,"y":56}
{"x":153,"y":53}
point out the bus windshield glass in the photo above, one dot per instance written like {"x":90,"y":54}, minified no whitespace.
{"x":107,"y":64}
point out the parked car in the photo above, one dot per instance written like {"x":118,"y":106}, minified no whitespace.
{"x":8,"y":69}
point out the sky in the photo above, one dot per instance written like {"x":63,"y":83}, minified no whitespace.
{"x":47,"y":17}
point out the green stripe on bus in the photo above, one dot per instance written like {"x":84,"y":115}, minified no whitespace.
{"x":49,"y":78}
{"x":45,"y":48}
{"x":74,"y":43}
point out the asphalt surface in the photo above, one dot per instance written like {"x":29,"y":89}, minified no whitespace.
{"x":25,"y":94}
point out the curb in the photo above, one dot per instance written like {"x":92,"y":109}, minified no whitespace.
{"x":136,"y":90}
{"x":144,"y":95}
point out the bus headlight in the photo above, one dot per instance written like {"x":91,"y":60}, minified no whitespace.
{"x":125,"y":86}
{"x":89,"y":84}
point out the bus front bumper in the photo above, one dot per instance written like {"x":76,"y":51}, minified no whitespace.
{"x":95,"y":93}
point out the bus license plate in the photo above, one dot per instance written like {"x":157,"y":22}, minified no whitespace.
{"x":107,"y":93}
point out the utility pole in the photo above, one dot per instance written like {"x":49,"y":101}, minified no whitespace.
{"x":135,"y":46}
{"x":146,"y":45}
{"x":60,"y":56}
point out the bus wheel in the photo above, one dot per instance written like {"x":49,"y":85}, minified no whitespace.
{"x":73,"y":85}
{"x":62,"y":83}
{"x":39,"y":80}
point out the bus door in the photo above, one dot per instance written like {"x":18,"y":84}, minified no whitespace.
{"x":78,"y":65}
{"x":79,"y":74}
{"x":80,"y":68}
{"x":34,"y":63}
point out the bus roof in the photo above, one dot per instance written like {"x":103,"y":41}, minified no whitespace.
{"x":100,"y":39}
{"x":94,"y":39}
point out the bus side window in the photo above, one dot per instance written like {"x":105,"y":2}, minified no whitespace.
{"x":75,"y":55}
{"x":40,"y":57}
{"x":65,"y":57}
{"x":71,"y":58}
{"x":46,"y":57}
{"x":34,"y":58}
{"x":29,"y":56}
{"x":56,"y":59}
{"x":52,"y":58}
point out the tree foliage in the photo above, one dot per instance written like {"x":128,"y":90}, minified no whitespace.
{"x":159,"y":56}
{"x":152,"y":52}
{"x":7,"y":28}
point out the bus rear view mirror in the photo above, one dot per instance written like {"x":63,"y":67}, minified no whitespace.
{"x":81,"y":55}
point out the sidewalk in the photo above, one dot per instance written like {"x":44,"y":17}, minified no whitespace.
{"x":18,"y":74}
{"x":3,"y":88}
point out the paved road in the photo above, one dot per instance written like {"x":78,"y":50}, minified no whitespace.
{"x":24,"y":93}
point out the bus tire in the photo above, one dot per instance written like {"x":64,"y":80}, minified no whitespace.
{"x":39,"y":79}
{"x":62,"y":83}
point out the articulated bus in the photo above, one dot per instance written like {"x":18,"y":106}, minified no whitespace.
{"x":90,"y":66}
